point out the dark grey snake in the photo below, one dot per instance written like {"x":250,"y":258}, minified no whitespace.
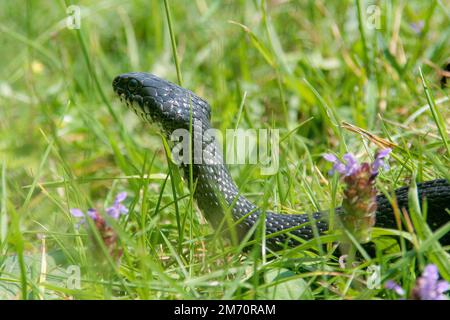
{"x":171,"y":107}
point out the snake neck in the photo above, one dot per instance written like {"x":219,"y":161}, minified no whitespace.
{"x":217,"y":195}
{"x":215,"y":192}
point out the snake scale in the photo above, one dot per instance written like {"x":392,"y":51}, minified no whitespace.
{"x":171,"y":107}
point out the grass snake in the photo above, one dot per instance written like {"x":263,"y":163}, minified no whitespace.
{"x":171,"y":107}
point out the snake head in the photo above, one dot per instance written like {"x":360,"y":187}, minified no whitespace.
{"x":159,"y":101}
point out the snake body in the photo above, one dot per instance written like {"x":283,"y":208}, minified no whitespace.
{"x":158,"y":101}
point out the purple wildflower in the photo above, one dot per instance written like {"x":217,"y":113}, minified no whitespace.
{"x":417,"y":26}
{"x":93,"y":214}
{"x":337,"y":165}
{"x":359,"y":202}
{"x":77,"y":213}
{"x":351,"y":166}
{"x":429,"y":287}
{"x":345,"y":169}
{"x":392,"y":285}
{"x":109,"y":236}
{"x":114,"y":212}
{"x":118,"y":208}
{"x":379,"y":161}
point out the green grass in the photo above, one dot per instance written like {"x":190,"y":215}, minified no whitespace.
{"x":66,"y":141}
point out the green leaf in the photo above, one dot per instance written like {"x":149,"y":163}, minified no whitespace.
{"x":285,"y":284}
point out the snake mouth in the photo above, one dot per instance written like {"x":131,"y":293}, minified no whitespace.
{"x":128,"y":88}
{"x":160,"y":102}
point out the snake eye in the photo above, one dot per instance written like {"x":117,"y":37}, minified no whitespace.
{"x":133,"y":84}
